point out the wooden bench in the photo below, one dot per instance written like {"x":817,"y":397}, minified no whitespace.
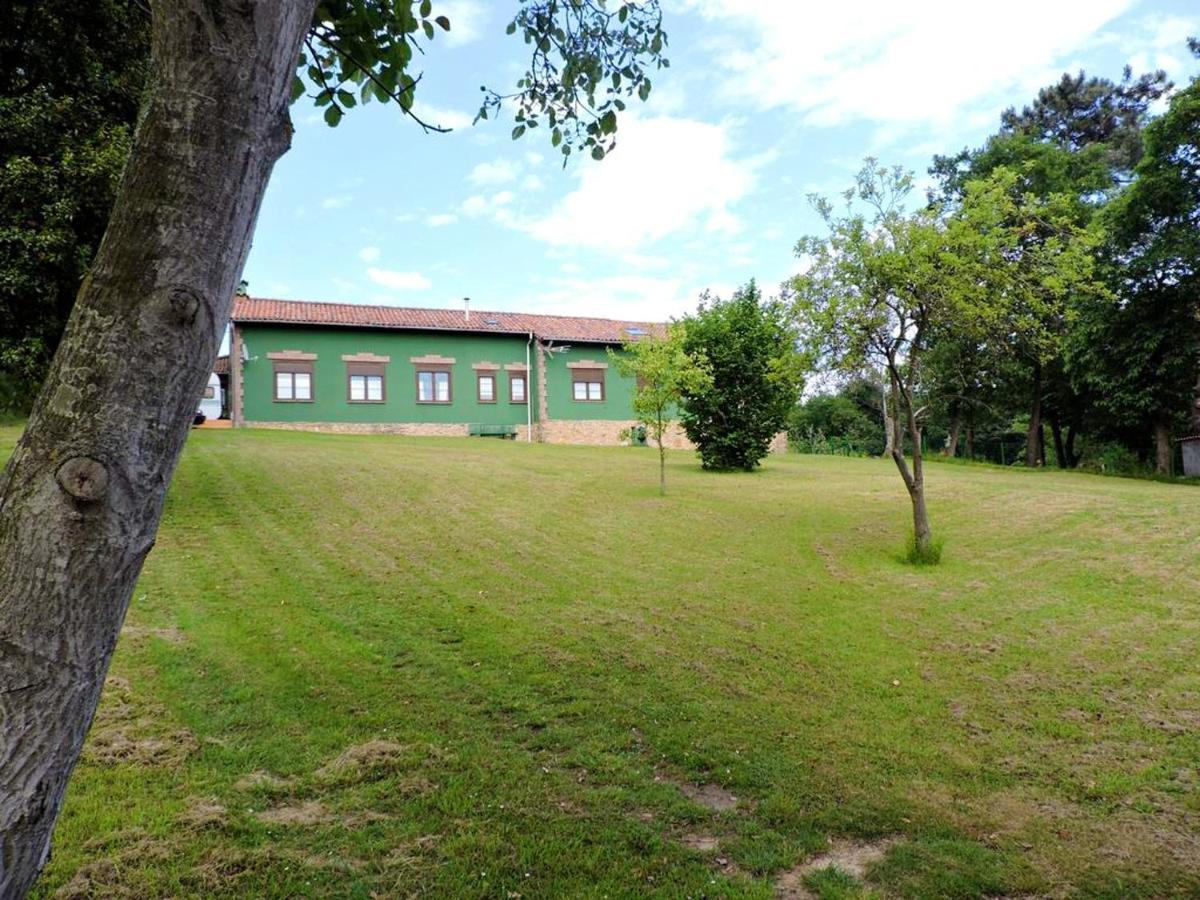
{"x":500,"y":431}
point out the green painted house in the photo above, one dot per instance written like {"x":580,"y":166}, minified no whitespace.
{"x":343,"y":367}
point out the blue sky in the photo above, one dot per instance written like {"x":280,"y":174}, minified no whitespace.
{"x":764,"y":103}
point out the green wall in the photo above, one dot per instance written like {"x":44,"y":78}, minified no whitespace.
{"x":329,"y":375}
{"x":618,"y":392}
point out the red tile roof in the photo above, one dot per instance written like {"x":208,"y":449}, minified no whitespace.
{"x":557,"y":328}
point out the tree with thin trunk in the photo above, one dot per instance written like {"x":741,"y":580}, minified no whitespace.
{"x":81,"y":496}
{"x":665,"y":373}
{"x":886,"y":283}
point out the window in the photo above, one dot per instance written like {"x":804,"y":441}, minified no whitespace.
{"x":486,"y":382}
{"x":587,"y":384}
{"x":433,"y":385}
{"x":210,"y":393}
{"x":293,"y":382}
{"x":365,"y":382}
{"x":516,"y":387}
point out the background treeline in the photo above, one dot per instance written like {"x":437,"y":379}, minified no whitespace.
{"x":1101,"y":379}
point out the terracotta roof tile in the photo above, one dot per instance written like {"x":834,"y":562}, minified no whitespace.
{"x":558,"y":328}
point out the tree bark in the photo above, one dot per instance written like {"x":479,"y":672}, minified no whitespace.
{"x":889,"y":423}
{"x":81,"y":497}
{"x":1162,"y":448}
{"x":1060,"y":450}
{"x":1072,"y":456}
{"x":914,"y":479}
{"x":970,"y":442}
{"x":1034,"y":441}
{"x":662,"y":459}
{"x":952,"y":442}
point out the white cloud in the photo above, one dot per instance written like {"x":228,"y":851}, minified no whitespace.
{"x":500,"y":171}
{"x":439,"y":219}
{"x":400,"y":281}
{"x":468,"y":19}
{"x":636,"y":297}
{"x":666,"y":175}
{"x":336,"y":202}
{"x":884,"y":61}
{"x":441,"y":116}
{"x":368,"y":254}
{"x":495,"y":206}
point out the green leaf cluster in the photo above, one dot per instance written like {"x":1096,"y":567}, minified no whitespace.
{"x":756,"y":377}
{"x":588,"y":57}
{"x":70,"y":89}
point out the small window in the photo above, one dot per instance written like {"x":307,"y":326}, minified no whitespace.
{"x":587,"y":385}
{"x":433,"y":386}
{"x":365,"y":382}
{"x":293,"y":382}
{"x":487,"y":387}
{"x":516,"y":388}
{"x":366,"y":388}
{"x":210,"y":393}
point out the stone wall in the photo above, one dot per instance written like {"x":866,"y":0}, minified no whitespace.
{"x":422,"y":429}
{"x":591,"y":432}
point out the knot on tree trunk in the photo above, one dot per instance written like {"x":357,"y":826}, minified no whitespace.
{"x":83,"y":478}
{"x":182,"y":304}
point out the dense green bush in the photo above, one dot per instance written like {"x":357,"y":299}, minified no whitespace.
{"x":750,"y":347}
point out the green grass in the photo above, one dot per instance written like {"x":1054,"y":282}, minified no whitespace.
{"x":547,"y":650}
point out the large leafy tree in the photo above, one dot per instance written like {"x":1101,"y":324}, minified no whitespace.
{"x":1080,"y":138}
{"x":756,"y":376}
{"x":81,"y":496}
{"x":71,"y":80}
{"x":1140,"y":353}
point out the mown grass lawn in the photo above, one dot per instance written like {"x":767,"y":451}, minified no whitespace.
{"x":360,"y":666}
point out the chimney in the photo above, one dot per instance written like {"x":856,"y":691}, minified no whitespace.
{"x":466,"y":309}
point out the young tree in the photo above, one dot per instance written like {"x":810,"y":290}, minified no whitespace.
{"x":756,"y":378}
{"x":81,"y":496}
{"x":885,"y":283}
{"x":665,"y":373}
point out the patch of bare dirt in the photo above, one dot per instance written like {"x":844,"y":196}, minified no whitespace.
{"x":701,"y":843}
{"x":712,"y":796}
{"x":366,"y":817}
{"x":136,"y":633}
{"x":121,"y":745}
{"x":361,"y":760}
{"x":851,"y":857}
{"x":307,"y":812}
{"x":203,"y":812}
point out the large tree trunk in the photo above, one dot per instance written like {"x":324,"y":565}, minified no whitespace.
{"x":1162,"y":448}
{"x":1034,"y":442}
{"x":81,"y":497}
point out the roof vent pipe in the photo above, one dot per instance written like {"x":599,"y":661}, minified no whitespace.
{"x":466,"y":309}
